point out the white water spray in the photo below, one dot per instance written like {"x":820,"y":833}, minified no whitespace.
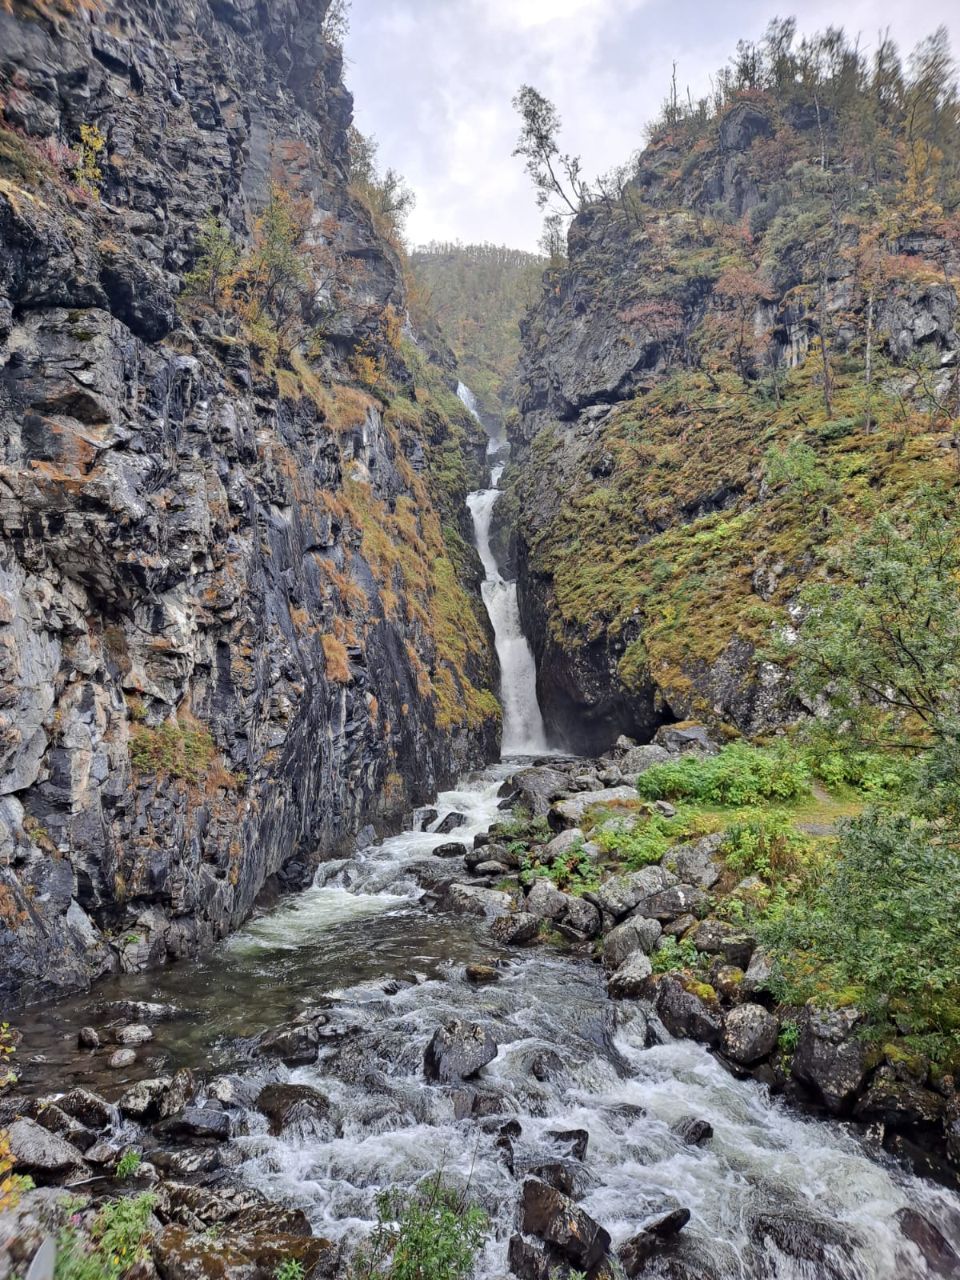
{"x":523,"y":731}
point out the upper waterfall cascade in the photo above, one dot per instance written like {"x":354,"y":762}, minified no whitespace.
{"x":523,"y":728}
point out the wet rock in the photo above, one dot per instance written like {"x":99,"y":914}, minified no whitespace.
{"x":640,"y":1248}
{"x":142,"y":1100}
{"x":749,"y":1034}
{"x":41,"y":1155}
{"x":553,"y":1217}
{"x":515,"y":929}
{"x":452,"y":849}
{"x":50,"y":1116}
{"x":638,"y":933}
{"x":491,"y":869}
{"x":693,"y":1132}
{"x":89,"y":1108}
{"x":457,"y":1051}
{"x":621,"y":894}
{"x":474,"y":900}
{"x":555,"y":1173}
{"x":529,"y":1259}
{"x":190,"y":1162}
{"x":182,"y":1089}
{"x":292,"y":1044}
{"x":829,"y":1057}
{"x":104,"y":1152}
{"x":135,"y":1033}
{"x":481,"y":974}
{"x":629,"y":981}
{"x":423,"y":819}
{"x":717,"y":938}
{"x":581,"y":919}
{"x":570,"y":813}
{"x":139,"y":1011}
{"x":545,"y":1064}
{"x":88,"y":1038}
{"x":900,"y":1103}
{"x":696,"y":863}
{"x":812,"y":1240}
{"x":195,"y":1124}
{"x":574,"y":1140}
{"x":121,"y":1058}
{"x":939,"y":1255}
{"x":685,"y":1014}
{"x":450,"y":823}
{"x":299,"y":1106}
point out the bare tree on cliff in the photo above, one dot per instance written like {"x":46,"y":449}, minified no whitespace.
{"x":557,"y":176}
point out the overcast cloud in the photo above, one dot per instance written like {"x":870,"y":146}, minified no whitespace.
{"x":433,"y":80}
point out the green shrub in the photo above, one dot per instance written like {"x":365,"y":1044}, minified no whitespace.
{"x":289,"y":1269}
{"x":128,"y":1164}
{"x":880,"y":927}
{"x":738,"y":775}
{"x":767,"y":844}
{"x":673,"y":954}
{"x":574,"y":872}
{"x":117,"y":1241}
{"x":651,"y":837}
{"x":430,"y":1234}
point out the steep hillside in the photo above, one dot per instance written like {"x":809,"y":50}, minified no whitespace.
{"x":477,"y":294}
{"x":239,"y":614}
{"x":753,"y":348}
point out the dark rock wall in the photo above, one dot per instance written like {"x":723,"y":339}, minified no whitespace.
{"x":207,"y":678}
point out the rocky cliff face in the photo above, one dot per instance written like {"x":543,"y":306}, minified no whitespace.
{"x":238,"y":613}
{"x":748,"y":352}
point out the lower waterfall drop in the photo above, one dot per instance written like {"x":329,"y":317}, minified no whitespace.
{"x":523,"y":730}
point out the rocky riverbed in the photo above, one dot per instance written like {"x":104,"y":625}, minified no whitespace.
{"x":419,"y":1009}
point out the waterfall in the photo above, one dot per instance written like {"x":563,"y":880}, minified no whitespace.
{"x":523,"y":731}
{"x":466,"y":397}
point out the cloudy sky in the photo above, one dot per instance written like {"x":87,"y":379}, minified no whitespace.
{"x":433,"y":80}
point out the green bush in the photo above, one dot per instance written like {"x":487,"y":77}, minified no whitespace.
{"x":880,"y":928}
{"x":672,"y":954}
{"x":737,"y":775}
{"x":117,"y":1240}
{"x":431,"y":1234}
{"x":289,"y":1269}
{"x":651,"y":837}
{"x":767,"y":844}
{"x":575,"y":872}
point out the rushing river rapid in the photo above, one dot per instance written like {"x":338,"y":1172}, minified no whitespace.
{"x":773,"y":1195}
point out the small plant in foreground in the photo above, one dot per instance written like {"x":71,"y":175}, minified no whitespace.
{"x":432,"y":1233}
{"x":128,"y":1164}
{"x":289,"y":1269}
{"x":673,"y":954}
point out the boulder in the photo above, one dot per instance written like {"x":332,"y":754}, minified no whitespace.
{"x":900,"y":1104}
{"x":581,"y":919}
{"x":516,"y":928}
{"x":450,"y":823}
{"x":640,"y":1248}
{"x":42,"y":1155}
{"x":142,"y":1100}
{"x":570,"y":812}
{"x":474,"y":900}
{"x":481,"y":974}
{"x":717,"y":938}
{"x":88,"y":1038}
{"x":638,"y":933}
{"x":621,"y":894}
{"x":678,"y":900}
{"x":89,"y":1108}
{"x":134,"y":1033}
{"x":545,"y":900}
{"x":574,"y":1140}
{"x":685,"y":736}
{"x":829,"y":1057}
{"x":138,"y":1011}
{"x":562,"y":844}
{"x":749,"y":1034}
{"x":537,"y":788}
{"x":490,"y":868}
{"x":939,"y":1255}
{"x":630,"y":979}
{"x":293,"y":1044}
{"x":299,"y":1106}
{"x":685,"y":1014}
{"x":195,"y":1124}
{"x":727,"y":981}
{"x":451,"y":849}
{"x":121,"y":1058}
{"x":49,"y":1115}
{"x":529,"y":1259}
{"x":820,"y":1243}
{"x":637,"y":760}
{"x":457,"y":1051}
{"x":696,"y":863}
{"x":553,"y":1217}
{"x":180,"y":1254}
{"x":759,"y":973}
{"x":693,"y":1132}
